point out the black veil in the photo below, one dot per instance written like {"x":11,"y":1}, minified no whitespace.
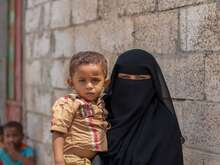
{"x":144,"y":129}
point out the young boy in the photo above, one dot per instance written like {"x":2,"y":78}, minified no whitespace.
{"x":78,"y":120}
{"x":14,"y":152}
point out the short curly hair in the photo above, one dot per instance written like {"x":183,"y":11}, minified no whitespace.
{"x":14,"y":124}
{"x":87,"y":57}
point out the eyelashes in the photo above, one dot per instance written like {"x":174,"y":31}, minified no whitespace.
{"x":133,"y":77}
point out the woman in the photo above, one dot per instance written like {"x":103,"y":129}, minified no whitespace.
{"x":144,"y":128}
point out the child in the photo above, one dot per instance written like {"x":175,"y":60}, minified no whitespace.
{"x":14,"y":152}
{"x":1,"y":136}
{"x":78,"y":120}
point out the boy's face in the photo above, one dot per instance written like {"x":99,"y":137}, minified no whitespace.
{"x":88,"y":81}
{"x":12,"y":136}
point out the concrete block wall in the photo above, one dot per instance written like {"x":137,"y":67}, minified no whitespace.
{"x":183,"y":35}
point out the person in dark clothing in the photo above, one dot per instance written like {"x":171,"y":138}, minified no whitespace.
{"x":144,"y":127}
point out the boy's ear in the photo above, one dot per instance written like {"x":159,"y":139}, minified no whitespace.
{"x":70,"y":82}
{"x":107,"y":82}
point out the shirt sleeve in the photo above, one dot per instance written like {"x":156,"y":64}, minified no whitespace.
{"x":29,"y":152}
{"x":62,"y":114}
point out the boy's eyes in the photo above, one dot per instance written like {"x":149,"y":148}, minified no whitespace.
{"x":81,"y":80}
{"x":94,"y":80}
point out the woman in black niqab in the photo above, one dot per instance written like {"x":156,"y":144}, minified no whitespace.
{"x":144,"y":128}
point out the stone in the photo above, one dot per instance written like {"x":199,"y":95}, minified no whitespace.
{"x":46,"y":16}
{"x":47,"y":135}
{"x":63,"y":43}
{"x":33,"y":68}
{"x":157,"y":33}
{"x":32,"y":3}
{"x":28,"y":47}
{"x":212,"y":77}
{"x":34,"y":126}
{"x":190,"y":77}
{"x":88,"y":37}
{"x":212,"y":161}
{"x":178,"y":106}
{"x":44,"y":153}
{"x":170,"y":4}
{"x":58,"y":74}
{"x":116,"y":36}
{"x":113,"y":8}
{"x":108,"y":9}
{"x":168,"y":68}
{"x":201,"y":125}
{"x":199,"y":28}
{"x":32,"y":19}
{"x":42,"y":101}
{"x":41,"y":46}
{"x":191,"y":157}
{"x":128,"y":7}
{"x":60,"y":13}
{"x":84,"y":10}
{"x":45,"y":73}
{"x":29,"y":98}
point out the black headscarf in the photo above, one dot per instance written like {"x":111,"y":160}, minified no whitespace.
{"x":144,"y":128}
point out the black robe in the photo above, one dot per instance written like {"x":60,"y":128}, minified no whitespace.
{"x":144,"y":128}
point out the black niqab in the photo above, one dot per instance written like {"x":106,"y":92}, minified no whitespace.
{"x":144,"y":128}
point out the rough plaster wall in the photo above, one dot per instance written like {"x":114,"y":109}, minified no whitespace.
{"x":183,"y":35}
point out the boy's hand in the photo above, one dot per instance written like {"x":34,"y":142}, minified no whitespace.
{"x":10,"y":148}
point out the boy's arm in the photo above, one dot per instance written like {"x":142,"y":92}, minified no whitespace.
{"x":58,"y":142}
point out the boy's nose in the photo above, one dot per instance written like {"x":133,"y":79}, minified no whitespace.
{"x":89,"y":85}
{"x":11,"y":139}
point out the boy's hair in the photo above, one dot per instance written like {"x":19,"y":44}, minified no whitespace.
{"x":14,"y":124}
{"x":87,"y":57}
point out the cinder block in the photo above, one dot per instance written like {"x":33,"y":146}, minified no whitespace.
{"x":28,"y":46}
{"x":41,"y":46}
{"x":32,"y":3}
{"x":47,"y":135}
{"x":32,"y":19}
{"x":199,"y":28}
{"x":212,"y":161}
{"x":34,"y":126}
{"x":116,"y":36}
{"x":46,"y":16}
{"x":84,"y":10}
{"x":190,"y":77}
{"x":32,"y":73}
{"x":212,"y":77}
{"x":63,"y":43}
{"x":87,"y":37}
{"x":201,"y":122}
{"x":44,"y":154}
{"x":157,"y":33}
{"x":169,"y":4}
{"x":128,"y":7}
{"x":192,"y":157}
{"x":60,"y":13}
{"x":58,"y":74}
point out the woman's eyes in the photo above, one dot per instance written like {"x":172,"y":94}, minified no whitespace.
{"x":134,"y":77}
{"x":125,"y":77}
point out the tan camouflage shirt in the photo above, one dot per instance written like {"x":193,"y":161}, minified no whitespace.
{"x":85,"y":127}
